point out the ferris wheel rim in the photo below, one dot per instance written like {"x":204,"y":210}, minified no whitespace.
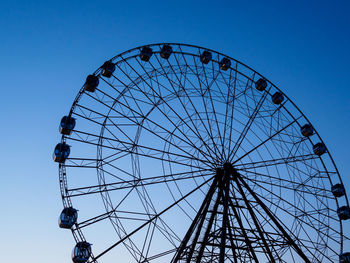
{"x":82,"y":91}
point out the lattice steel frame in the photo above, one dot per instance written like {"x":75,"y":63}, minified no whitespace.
{"x":199,"y":142}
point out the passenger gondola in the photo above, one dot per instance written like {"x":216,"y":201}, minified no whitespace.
{"x":225,"y":64}
{"x":206,"y":57}
{"x":67,"y":124}
{"x":91,"y":83}
{"x":307,"y":130}
{"x":277,"y":98}
{"x":261,"y":84}
{"x":319,"y":148}
{"x":146,"y":54}
{"x":68,"y":217}
{"x":61,"y":152}
{"x":166,"y":51}
{"x":107,"y":69}
{"x":81,"y":252}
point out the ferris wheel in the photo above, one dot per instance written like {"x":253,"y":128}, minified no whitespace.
{"x":178,"y":153}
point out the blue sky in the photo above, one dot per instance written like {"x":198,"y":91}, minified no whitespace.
{"x":48,"y":48}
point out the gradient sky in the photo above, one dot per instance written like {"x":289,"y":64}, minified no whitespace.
{"x":48,"y":47}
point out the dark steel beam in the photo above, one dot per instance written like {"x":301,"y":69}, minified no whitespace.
{"x":273,"y":218}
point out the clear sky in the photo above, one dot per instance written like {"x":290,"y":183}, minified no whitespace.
{"x":48,"y":47}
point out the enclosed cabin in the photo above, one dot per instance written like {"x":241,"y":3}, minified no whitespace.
{"x":307,"y":130}
{"x":166,"y":51}
{"x":146,"y":53}
{"x":81,"y":252}
{"x":91,"y":83}
{"x":107,"y":69}
{"x":338,"y":190}
{"x":344,"y":212}
{"x":344,"y":257}
{"x":68,"y":217}
{"x":261,"y":84}
{"x":67,"y":124}
{"x":277,"y":98}
{"x":206,"y":57}
{"x":319,"y":148}
{"x":61,"y":152}
{"x":225,"y":64}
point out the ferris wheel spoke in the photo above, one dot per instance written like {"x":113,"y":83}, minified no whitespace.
{"x":208,"y":131}
{"x":81,"y":163}
{"x":164,"y":229}
{"x":287,"y":140}
{"x":93,"y":220}
{"x":277,"y":161}
{"x":188,"y":141}
{"x":288,"y":143}
{"x":139,"y":124}
{"x":108,"y":215}
{"x":132,"y":151}
{"x":103,"y":170}
{"x":247,"y":126}
{"x":170,"y":232}
{"x":167,"y":231}
{"x":150,"y":232}
{"x":123,"y":95}
{"x":182,"y":87}
{"x":296,"y":146}
{"x":151,"y":87}
{"x":232,"y":108}
{"x":149,"y":237}
{"x":122,"y":231}
{"x":213,"y":109}
{"x":266,"y":140}
{"x":133,"y":249}
{"x":153,"y":218}
{"x":198,"y":133}
{"x":227,"y":96}
{"x":293,"y":164}
{"x":296,"y":208}
{"x":288,"y":184}
{"x":125,"y":184}
{"x":147,"y":203}
{"x":227,"y":115}
{"x":158,"y":134}
{"x":132,"y":146}
{"x":156,"y":256}
{"x":207,"y":88}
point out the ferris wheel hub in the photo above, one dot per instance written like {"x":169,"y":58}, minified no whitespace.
{"x":228,"y":167}
{"x":226,"y":172}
